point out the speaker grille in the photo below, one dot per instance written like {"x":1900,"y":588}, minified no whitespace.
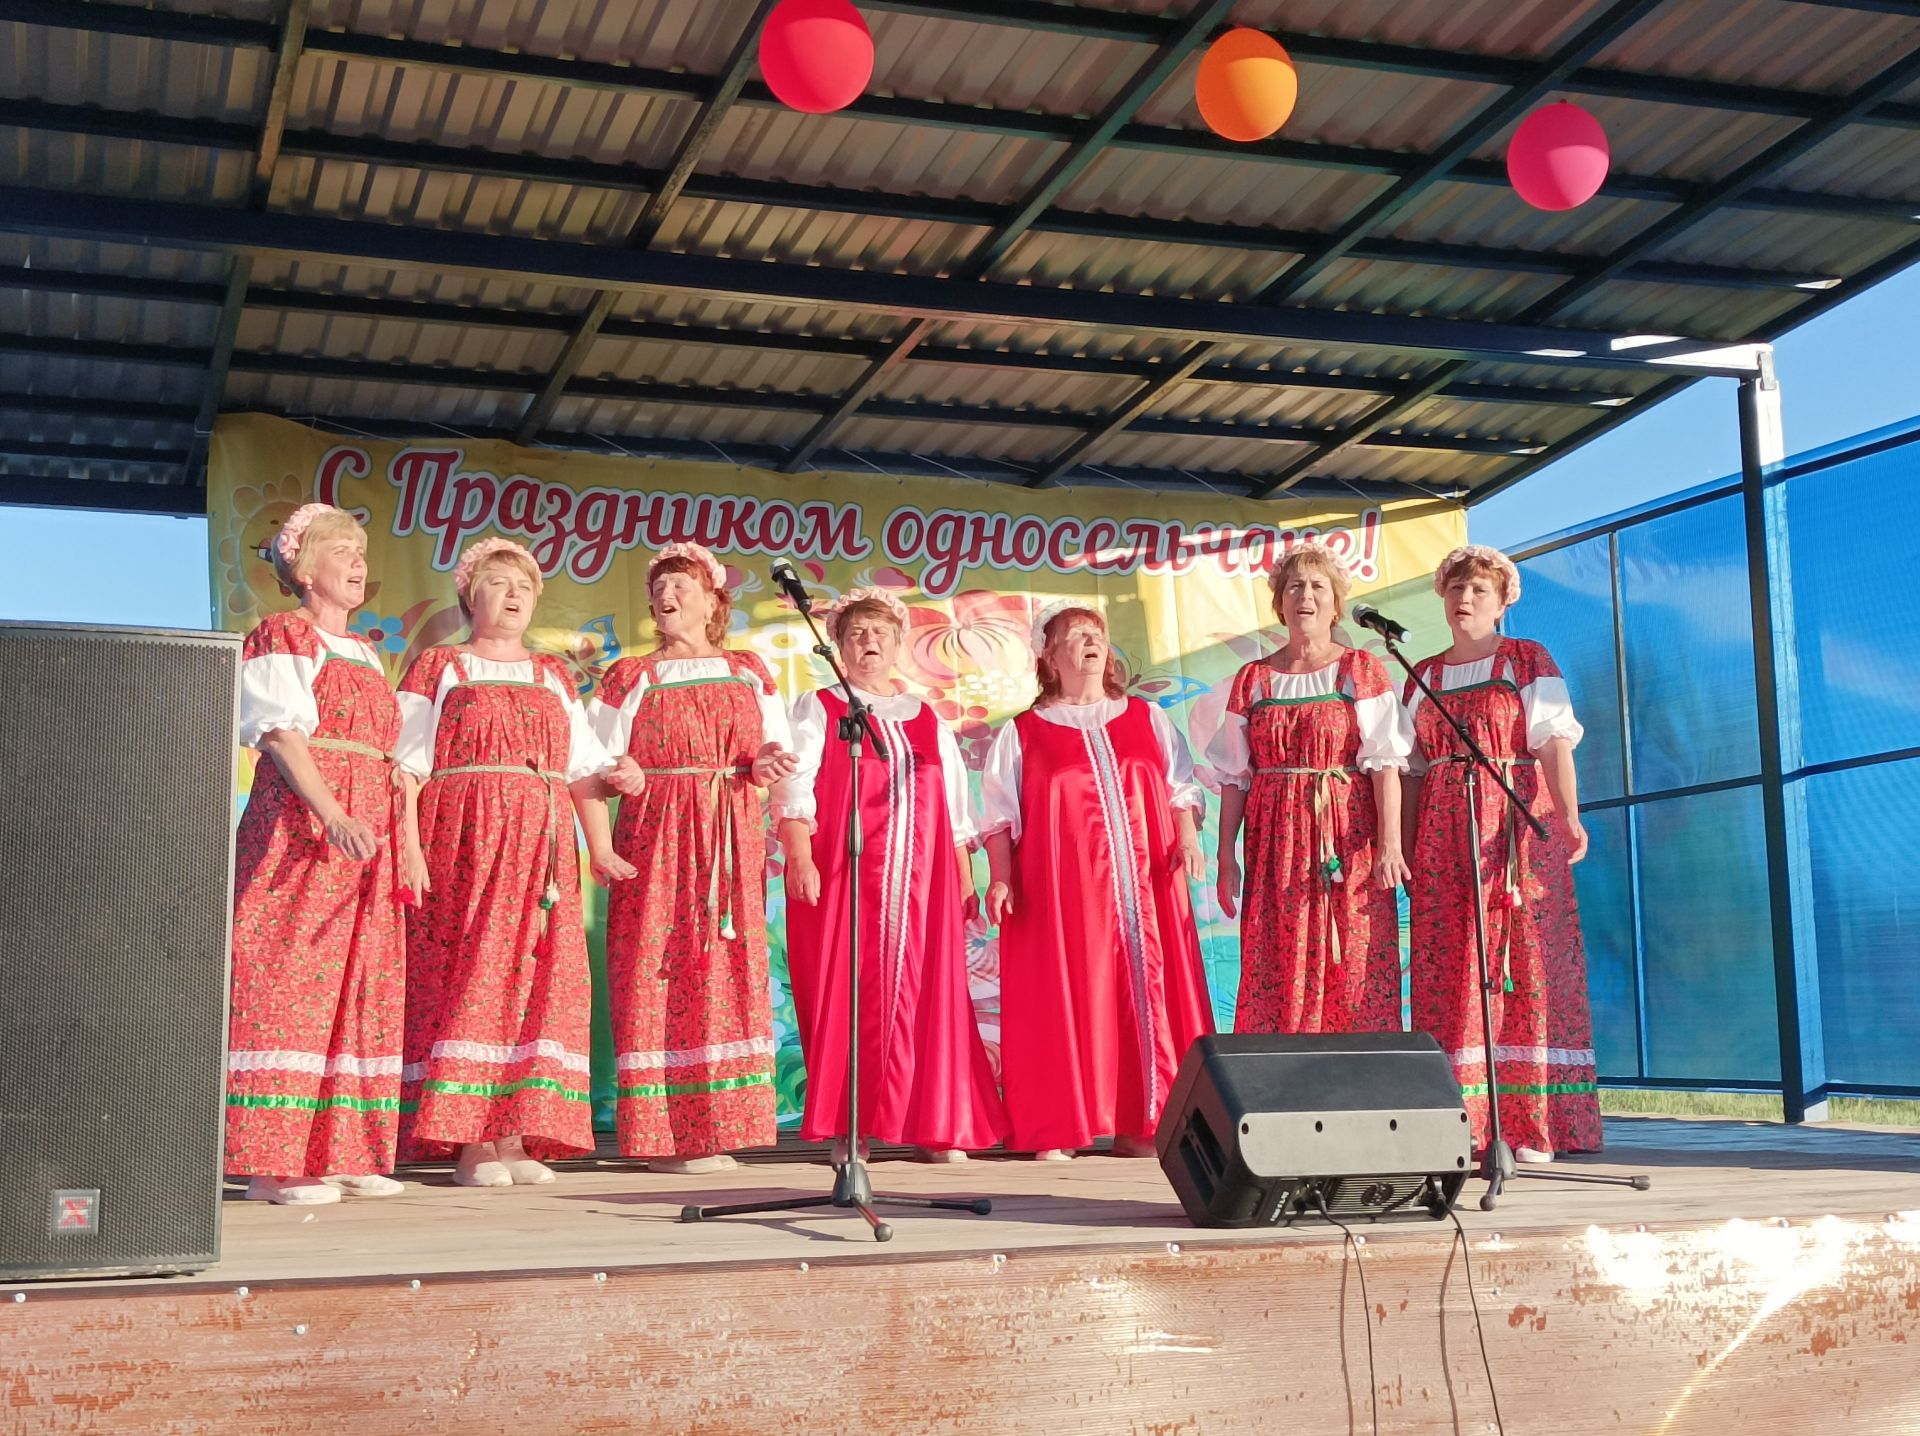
{"x":117,"y":854}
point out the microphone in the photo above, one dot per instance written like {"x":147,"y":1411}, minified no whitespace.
{"x":787,"y":579}
{"x":1369,"y":617}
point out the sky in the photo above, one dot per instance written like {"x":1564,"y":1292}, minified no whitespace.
{"x":1846,"y":373}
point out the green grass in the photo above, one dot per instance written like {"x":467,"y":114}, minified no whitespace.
{"x":1753,"y":1106}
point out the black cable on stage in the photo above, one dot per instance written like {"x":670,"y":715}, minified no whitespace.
{"x":1466,"y":1253}
{"x":1366,"y":1305}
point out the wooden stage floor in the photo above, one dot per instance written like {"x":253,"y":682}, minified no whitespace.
{"x":611,"y":1213}
{"x":1769,"y":1282}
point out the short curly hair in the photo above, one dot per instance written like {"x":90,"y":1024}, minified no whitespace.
{"x":1315,"y":558}
{"x":1475,"y":559}
{"x":499,"y":558}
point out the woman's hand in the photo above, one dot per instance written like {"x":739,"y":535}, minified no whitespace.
{"x":771,"y":764}
{"x":1575,"y":835}
{"x":803,"y":878}
{"x":626,"y":778}
{"x":1390,"y":867}
{"x":413,"y":872}
{"x":1193,"y":858}
{"x":999,"y":902}
{"x":1227,"y":886}
{"x":610,"y":868}
{"x":351,"y":836}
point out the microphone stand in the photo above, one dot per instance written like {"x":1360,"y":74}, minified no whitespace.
{"x":1496,"y":1163}
{"x":852,"y":1187}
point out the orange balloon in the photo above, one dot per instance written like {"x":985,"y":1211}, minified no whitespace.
{"x":1247,"y":85}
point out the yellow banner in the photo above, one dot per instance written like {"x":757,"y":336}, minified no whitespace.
{"x":1182,"y":580}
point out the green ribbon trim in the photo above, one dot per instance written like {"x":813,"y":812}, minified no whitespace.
{"x":688,"y":1089}
{"x":699,"y":682}
{"x":312,"y":1104}
{"x":1299,"y":702}
{"x":332,"y":657}
{"x":503,"y":1089}
{"x":1529,"y":1089}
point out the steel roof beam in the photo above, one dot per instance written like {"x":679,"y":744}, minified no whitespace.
{"x":1095,"y":366}
{"x":266,"y":153}
{"x":1079,"y":20}
{"x":106,"y":351}
{"x":75,"y":407}
{"x":180,"y":500}
{"x":1891,"y":80}
{"x":596,"y":265}
{"x":666,"y":190}
{"x":1503,"y":71}
{"x":1613,"y":21}
{"x":100,"y":453}
{"x":546,"y":169}
{"x":570,"y":263}
{"x":1183,"y":38}
{"x":761,"y":400}
{"x":177,"y":224}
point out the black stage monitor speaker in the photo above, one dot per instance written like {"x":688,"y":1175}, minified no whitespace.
{"x":1267,"y":1131}
{"x":116,"y":876}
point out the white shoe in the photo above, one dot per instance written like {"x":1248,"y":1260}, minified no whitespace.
{"x":939,"y":1156}
{"x":479,"y":1165}
{"x":692,"y":1166}
{"x":293,"y":1192}
{"x":483,"y":1174}
{"x":1532,"y":1155}
{"x":522,"y":1170}
{"x":371,"y":1185}
{"x":838,"y":1156}
{"x":1053,"y":1154}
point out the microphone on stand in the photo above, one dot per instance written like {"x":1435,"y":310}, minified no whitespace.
{"x":787,"y":579}
{"x":1369,"y":617}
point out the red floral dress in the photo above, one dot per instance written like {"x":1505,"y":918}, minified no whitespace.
{"x":687,"y":973}
{"x":498,"y":996}
{"x":1513,"y":703}
{"x":313,"y":1063}
{"x":1319,"y":936}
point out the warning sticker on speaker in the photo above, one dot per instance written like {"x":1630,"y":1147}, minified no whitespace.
{"x":74,"y":1213}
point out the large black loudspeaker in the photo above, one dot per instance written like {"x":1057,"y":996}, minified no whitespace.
{"x":1267,"y":1131}
{"x":116,"y":879}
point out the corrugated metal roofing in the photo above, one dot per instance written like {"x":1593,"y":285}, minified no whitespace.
{"x":552,"y":121}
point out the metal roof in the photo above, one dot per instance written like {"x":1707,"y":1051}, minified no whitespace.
{"x":1019,"y":255}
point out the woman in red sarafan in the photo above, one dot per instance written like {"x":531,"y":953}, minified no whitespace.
{"x":1091,"y":823}
{"x":497,"y":981}
{"x":687,"y":973}
{"x":313,"y":1062}
{"x":1310,"y":750}
{"x":925,"y":1079}
{"x":1511,"y":697}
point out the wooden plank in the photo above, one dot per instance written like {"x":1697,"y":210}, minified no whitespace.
{"x":1730,"y":1326}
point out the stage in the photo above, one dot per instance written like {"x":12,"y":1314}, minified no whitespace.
{"x":1766,"y":1282}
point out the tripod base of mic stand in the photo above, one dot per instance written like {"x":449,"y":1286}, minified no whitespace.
{"x":1498,"y":1168}
{"x":853,"y":1191}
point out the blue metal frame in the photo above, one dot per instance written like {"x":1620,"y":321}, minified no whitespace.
{"x":1804,"y":1081}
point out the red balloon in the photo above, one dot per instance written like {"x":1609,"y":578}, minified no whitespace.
{"x":1558,"y":157}
{"x":816,"y":55}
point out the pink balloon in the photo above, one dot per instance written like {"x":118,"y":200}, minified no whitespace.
{"x":816,"y":55}
{"x":1558,"y":157}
